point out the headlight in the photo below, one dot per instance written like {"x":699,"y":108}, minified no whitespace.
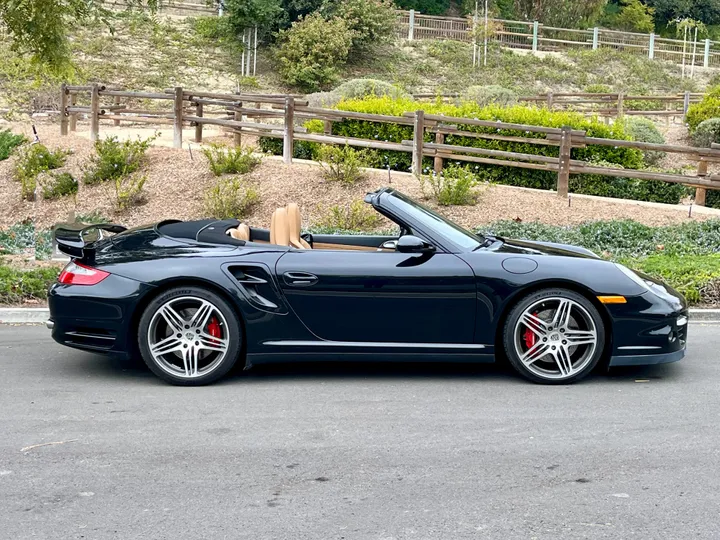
{"x":650,"y":285}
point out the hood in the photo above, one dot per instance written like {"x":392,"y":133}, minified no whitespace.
{"x":523,"y":247}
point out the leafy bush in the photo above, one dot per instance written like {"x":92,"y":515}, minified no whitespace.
{"x":17,"y":238}
{"x":360,"y":88}
{"x":211,"y":28}
{"x":91,"y":218}
{"x":8,"y":142}
{"x":18,"y":286}
{"x":35,"y":159}
{"x":486,"y":95}
{"x":708,"y":108}
{"x":59,"y":185}
{"x":628,"y":188}
{"x":689,"y":275}
{"x":712,"y":199}
{"x":114,"y":159}
{"x":427,"y":7}
{"x":453,"y":186}
{"x":357,"y":216}
{"x":644,"y":130}
{"x":226,"y":160}
{"x":341,"y":164}
{"x":706,"y":133}
{"x":129,"y":191}
{"x":371,"y":21}
{"x":597,"y":89}
{"x":312,"y":51}
{"x":230,"y":198}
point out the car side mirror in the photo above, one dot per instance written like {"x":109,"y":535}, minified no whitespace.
{"x":413,"y":244}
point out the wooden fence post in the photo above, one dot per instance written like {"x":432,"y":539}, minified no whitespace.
{"x":94,"y":112}
{"x":621,"y":106}
{"x":289,"y":129}
{"x":198,"y":125}
{"x":418,"y":139}
{"x":178,"y":117}
{"x":73,"y":116}
{"x":327,"y":127}
{"x":563,"y":183}
{"x":700,"y":192}
{"x":63,"y":110}
{"x":237,"y":137}
{"x":411,"y":26}
{"x":438,"y":163}
{"x":550,"y":100}
{"x":116,"y":101}
{"x":686,"y":103}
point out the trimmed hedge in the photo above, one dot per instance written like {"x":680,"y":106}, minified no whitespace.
{"x":18,"y":286}
{"x":401,"y":161}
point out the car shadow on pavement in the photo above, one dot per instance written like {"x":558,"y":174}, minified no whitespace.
{"x":100,"y":366}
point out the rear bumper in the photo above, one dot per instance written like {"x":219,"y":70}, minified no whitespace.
{"x":96,"y":318}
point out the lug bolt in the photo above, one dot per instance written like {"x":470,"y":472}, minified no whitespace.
{"x":544,"y":339}
{"x":553,"y":347}
{"x":564,"y":342}
{"x":562,"y":330}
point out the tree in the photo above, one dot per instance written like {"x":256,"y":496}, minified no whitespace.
{"x":243,"y":14}
{"x":371,"y":21}
{"x":428,"y":7}
{"x":39,"y":27}
{"x":706,"y":11}
{"x":632,"y":16}
{"x":562,"y":13}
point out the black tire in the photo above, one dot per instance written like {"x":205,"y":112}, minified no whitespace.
{"x":231,"y":325}
{"x":585,"y":364}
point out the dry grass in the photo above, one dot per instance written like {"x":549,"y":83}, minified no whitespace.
{"x":176,"y":185}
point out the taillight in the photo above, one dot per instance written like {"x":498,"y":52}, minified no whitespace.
{"x":79,"y":274}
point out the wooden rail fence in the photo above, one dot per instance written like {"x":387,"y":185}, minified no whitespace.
{"x":278,"y":116}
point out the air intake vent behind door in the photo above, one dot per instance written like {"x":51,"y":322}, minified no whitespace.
{"x":258,"y":285}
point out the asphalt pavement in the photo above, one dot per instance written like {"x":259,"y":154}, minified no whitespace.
{"x":95,"y":448}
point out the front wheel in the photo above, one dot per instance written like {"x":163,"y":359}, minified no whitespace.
{"x":189,"y":336}
{"x":554,"y":336}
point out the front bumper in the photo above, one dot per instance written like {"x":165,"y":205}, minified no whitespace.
{"x":647,"y":359}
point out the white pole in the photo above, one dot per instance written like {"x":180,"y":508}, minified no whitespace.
{"x":242,"y":56}
{"x":255,"y":59}
{"x":475,"y":43}
{"x":220,"y":9}
{"x":684,"y":48}
{"x":249,"y":48}
{"x":692,"y":68}
{"x":486,"y":34}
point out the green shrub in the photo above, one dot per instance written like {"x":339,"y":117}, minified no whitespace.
{"x":357,"y":216}
{"x":453,"y":186}
{"x":360,"y":88}
{"x":371,"y":22}
{"x":58,"y":185}
{"x":18,"y":286}
{"x":492,"y":94}
{"x":644,"y":130}
{"x":689,"y":275}
{"x":129,"y":191}
{"x":597,"y":89}
{"x":706,"y":133}
{"x":226,"y":160}
{"x":312,"y":51}
{"x":341,"y":164}
{"x":8,"y":142}
{"x":33,"y":160}
{"x":114,"y":159}
{"x":17,"y":238}
{"x":708,"y":108}
{"x":427,"y":7}
{"x":211,"y":28}
{"x":712,"y":199}
{"x":230,"y":198}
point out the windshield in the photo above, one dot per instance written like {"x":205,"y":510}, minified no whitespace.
{"x":435,"y":222}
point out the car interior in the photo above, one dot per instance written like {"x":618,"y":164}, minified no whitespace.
{"x":285,"y":230}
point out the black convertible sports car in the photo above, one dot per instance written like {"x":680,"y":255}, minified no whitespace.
{"x":194,"y":298}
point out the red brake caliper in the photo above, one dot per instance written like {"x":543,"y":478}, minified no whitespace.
{"x":530,"y":337}
{"x":214,"y":328}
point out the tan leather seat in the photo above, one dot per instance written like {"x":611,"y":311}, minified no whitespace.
{"x":279,"y":228}
{"x":242,"y":232}
{"x":294,"y":224}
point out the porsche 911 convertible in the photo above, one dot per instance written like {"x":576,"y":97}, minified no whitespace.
{"x":194,"y":298}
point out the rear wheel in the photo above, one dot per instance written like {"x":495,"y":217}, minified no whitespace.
{"x":554,"y":336}
{"x":189,"y":336}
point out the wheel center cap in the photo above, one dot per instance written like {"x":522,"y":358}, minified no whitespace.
{"x":189,"y":336}
{"x":554,"y":337}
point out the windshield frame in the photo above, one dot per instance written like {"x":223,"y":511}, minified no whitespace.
{"x":423,"y":221}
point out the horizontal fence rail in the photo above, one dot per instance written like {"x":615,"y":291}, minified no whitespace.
{"x":278,"y":116}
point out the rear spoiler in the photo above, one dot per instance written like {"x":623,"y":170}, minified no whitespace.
{"x":77,"y":239}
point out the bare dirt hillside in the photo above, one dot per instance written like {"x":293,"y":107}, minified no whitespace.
{"x":177,"y":180}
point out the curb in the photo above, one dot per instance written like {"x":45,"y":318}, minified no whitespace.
{"x":40,"y":315}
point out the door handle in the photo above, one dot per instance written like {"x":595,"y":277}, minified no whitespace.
{"x":300,"y":279}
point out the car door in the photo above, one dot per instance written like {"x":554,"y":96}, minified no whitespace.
{"x":388,"y":297}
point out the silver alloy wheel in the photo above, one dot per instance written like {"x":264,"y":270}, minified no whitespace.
{"x":555,"y":338}
{"x":179,"y":337}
